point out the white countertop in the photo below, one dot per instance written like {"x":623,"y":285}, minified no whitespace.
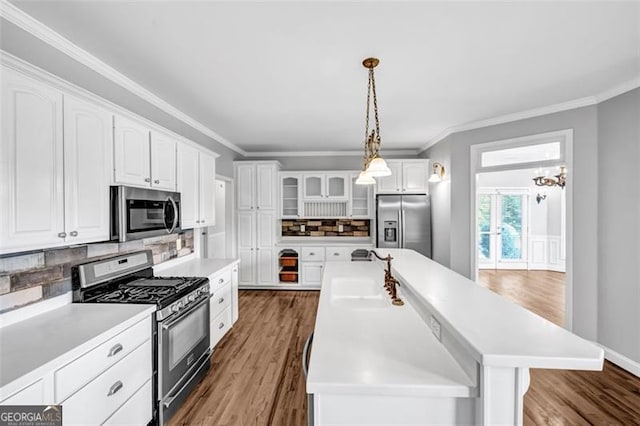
{"x":498,"y":331}
{"x":325,"y":241}
{"x":195,"y":268}
{"x":30,"y":346}
{"x":385,"y":350}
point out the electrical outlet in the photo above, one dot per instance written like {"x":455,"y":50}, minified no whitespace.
{"x":340,"y":228}
{"x":435,"y":328}
{"x":302,"y":227}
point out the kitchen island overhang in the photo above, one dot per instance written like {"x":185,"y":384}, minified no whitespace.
{"x":374,"y":362}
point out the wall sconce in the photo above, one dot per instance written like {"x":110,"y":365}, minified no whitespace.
{"x":438,"y":173}
{"x":540,"y":197}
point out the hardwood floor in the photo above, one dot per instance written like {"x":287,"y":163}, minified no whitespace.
{"x":256,"y":376}
{"x":562,"y":397}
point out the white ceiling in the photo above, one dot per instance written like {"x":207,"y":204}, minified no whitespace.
{"x":288,"y":76}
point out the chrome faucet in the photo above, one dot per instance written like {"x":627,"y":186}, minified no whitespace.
{"x":390,"y":282}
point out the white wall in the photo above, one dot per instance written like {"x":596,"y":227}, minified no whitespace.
{"x":606,"y":212}
{"x":618,"y":231}
{"x":583,"y":121}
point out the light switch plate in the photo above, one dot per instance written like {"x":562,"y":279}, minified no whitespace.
{"x":302,"y":227}
{"x":435,"y":328}
{"x":340,"y":228}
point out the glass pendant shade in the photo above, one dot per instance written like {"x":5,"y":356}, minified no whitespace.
{"x":378,"y":167}
{"x":435,"y":178}
{"x":365,"y":179}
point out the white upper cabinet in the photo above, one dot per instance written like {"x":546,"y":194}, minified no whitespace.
{"x":407,"y":176}
{"x":325,"y":186}
{"x":188,"y":185}
{"x":31,"y":154}
{"x":207,"y":189}
{"x":87,"y":158}
{"x":290,"y":188}
{"x":415,"y":175}
{"x":313,"y":186}
{"x":196,"y":184}
{"x":266,"y":185}
{"x":360,"y":207}
{"x":163,"y":161}
{"x":143,"y":157}
{"x":393,"y":183}
{"x":336,"y":186}
{"x":256,"y":184}
{"x":132,"y":153}
{"x":245,"y":179}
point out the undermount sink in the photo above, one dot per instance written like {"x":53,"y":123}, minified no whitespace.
{"x":357,"y":293}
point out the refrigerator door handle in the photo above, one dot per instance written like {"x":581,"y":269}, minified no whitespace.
{"x":400,"y":229}
{"x":403,"y":228}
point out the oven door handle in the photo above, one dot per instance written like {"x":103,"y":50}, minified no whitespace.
{"x":175,"y":214}
{"x":168,"y":325}
{"x":167,"y":403}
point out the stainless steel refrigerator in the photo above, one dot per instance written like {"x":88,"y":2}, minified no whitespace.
{"x":404,"y":221}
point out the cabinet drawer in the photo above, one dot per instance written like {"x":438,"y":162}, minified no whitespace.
{"x":341,"y":254}
{"x":97,"y":401}
{"x":313,"y":254}
{"x":219,"y":280}
{"x":30,"y":395}
{"x":220,"y":325}
{"x":136,"y":411}
{"x":220,"y":300}
{"x":77,"y":373}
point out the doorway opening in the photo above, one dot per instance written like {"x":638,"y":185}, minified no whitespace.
{"x":522,"y":245}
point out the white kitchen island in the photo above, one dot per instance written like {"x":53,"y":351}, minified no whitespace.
{"x":455,"y":353}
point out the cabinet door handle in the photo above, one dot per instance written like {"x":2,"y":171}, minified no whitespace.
{"x":312,"y":254}
{"x":336,"y":254}
{"x":220,"y":325}
{"x":115,"y":388}
{"x":202,"y":220}
{"x":221,"y":300}
{"x":147,"y":179}
{"x":62,"y":234}
{"x":73,"y":233}
{"x":156,"y":181}
{"x":258,"y":248}
{"x":258,"y":207}
{"x":221,"y":280}
{"x":197,"y":221}
{"x":115,"y":349}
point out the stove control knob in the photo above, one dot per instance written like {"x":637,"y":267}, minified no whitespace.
{"x":175,"y":307}
{"x":191,"y":297}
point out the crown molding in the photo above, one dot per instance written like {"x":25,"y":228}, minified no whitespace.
{"x":536,"y":112}
{"x":358,"y":153}
{"x":618,"y":90}
{"x":39,"y":30}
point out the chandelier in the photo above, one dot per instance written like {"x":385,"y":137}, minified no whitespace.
{"x":373,"y":165}
{"x":558,"y":180}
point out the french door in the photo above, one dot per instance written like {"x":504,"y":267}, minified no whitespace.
{"x":502,"y":218}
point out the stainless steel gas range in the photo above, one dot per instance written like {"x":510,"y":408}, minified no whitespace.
{"x":181,"y":332}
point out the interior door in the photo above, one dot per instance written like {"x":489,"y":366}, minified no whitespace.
{"x":503,"y":229}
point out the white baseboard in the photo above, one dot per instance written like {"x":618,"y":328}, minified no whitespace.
{"x":621,"y":361}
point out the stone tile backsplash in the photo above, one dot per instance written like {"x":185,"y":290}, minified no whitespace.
{"x":326,"y":228}
{"x":50,"y":269}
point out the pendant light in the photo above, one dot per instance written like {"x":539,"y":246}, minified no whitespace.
{"x":373,"y":164}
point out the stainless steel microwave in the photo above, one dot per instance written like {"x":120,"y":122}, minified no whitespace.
{"x":142,"y":213}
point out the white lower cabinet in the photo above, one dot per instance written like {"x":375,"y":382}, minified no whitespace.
{"x":135,"y":411}
{"x":220,"y":325}
{"x":112,"y":382}
{"x":313,"y":260}
{"x":30,"y":395}
{"x":103,"y":396}
{"x":223,"y":305}
{"x":312,"y":273}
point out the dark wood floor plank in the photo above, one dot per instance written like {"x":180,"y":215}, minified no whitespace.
{"x":256,"y":376}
